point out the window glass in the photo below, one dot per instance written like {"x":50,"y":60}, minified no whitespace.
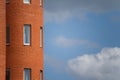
{"x":41,"y":75}
{"x":26,"y":34}
{"x":8,"y":35}
{"x":8,"y":74}
{"x":26,"y":1}
{"x":41,"y":36}
{"x":27,"y":73}
{"x":7,"y":1}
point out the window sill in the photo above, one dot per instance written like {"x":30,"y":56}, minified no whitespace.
{"x":41,"y":46}
{"x":26,"y":3}
{"x":26,"y":44}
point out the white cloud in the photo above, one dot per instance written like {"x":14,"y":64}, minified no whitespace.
{"x":68,"y":42}
{"x":64,"y":9}
{"x":101,"y":66}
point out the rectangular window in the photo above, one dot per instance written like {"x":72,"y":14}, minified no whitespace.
{"x":7,"y":1}
{"x":27,"y":34}
{"x":7,"y":74}
{"x":27,"y":74}
{"x":41,"y":36}
{"x":41,"y":75}
{"x":41,"y":2}
{"x":26,"y":1}
{"x":8,"y":35}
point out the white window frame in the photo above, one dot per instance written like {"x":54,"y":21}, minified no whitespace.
{"x":27,"y":44}
{"x":24,"y":73}
{"x":26,"y":2}
{"x":41,"y":2}
{"x":41,"y":36}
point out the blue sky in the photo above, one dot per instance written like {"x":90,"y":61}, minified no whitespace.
{"x":81,"y":39}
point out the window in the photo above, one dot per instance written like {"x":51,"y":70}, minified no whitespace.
{"x":41,"y":36}
{"x":26,"y":34}
{"x":7,"y":74}
{"x":8,"y":35}
{"x":41,"y":2}
{"x":26,"y":1}
{"x":41,"y":75}
{"x":7,"y":1}
{"x":27,"y":74}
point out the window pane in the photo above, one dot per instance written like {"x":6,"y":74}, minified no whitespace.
{"x":8,"y":74}
{"x":41,"y":75}
{"x":26,"y":1}
{"x":7,"y":1}
{"x":27,"y":34}
{"x":27,"y":74}
{"x":41,"y":36}
{"x":8,"y":34}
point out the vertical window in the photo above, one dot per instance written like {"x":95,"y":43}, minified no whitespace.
{"x":41,"y":75}
{"x":41,"y":2}
{"x":8,"y":35}
{"x":26,"y":1}
{"x":41,"y":36}
{"x":27,"y":74}
{"x":7,"y":1}
{"x":27,"y":34}
{"x":7,"y":74}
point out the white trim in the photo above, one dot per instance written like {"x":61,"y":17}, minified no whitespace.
{"x":41,"y":37}
{"x":41,"y":2}
{"x":27,"y":44}
{"x":26,"y":2}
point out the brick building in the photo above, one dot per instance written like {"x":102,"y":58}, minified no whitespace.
{"x":21,"y":40}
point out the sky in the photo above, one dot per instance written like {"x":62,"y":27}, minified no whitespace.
{"x":82,"y":39}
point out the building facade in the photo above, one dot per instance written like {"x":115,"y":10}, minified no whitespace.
{"x":23,"y":34}
{"x":2,"y":39}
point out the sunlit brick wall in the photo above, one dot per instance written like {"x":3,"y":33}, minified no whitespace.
{"x":20,"y":56}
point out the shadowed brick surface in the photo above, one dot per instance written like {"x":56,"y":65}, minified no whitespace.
{"x":2,"y":40}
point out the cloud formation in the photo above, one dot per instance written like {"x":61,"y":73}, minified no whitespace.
{"x":101,"y":66}
{"x":65,"y":9}
{"x":90,"y":5}
{"x":68,"y":42}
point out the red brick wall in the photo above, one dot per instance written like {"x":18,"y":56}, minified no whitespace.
{"x":18,"y":55}
{"x":2,"y":40}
